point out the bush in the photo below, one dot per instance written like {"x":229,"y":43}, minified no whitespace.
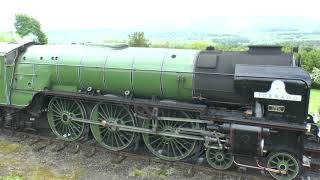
{"x":196,"y":45}
{"x":137,"y":39}
{"x":161,"y":45}
{"x":315,"y":75}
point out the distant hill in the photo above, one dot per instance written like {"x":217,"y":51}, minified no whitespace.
{"x":234,"y":30}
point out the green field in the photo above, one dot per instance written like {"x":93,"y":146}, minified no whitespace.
{"x":314,"y":104}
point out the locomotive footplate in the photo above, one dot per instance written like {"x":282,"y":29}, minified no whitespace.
{"x":132,"y":101}
{"x":239,"y":118}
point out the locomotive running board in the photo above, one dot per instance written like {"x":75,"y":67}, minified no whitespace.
{"x":132,"y":101}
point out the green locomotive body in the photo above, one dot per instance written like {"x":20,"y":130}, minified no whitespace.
{"x":114,"y":71}
{"x":250,"y":103}
{"x":144,"y":72}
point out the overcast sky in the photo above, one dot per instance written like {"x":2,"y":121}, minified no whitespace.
{"x":85,"y":14}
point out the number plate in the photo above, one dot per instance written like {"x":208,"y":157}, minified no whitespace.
{"x":276,"y":108}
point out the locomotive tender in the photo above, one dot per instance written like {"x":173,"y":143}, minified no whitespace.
{"x":180,"y":102}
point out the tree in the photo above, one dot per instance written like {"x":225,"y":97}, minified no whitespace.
{"x":311,"y":59}
{"x":26,"y":25}
{"x":315,"y":75}
{"x":137,"y":39}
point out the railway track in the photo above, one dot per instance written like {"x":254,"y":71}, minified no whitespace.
{"x":41,"y":141}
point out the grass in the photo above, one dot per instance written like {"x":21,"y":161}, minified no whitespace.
{"x":7,"y":147}
{"x":17,"y":166}
{"x":314,"y":104}
{"x":12,"y":176}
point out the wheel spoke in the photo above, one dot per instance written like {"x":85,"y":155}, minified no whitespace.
{"x":185,"y":141}
{"x":57,"y":108}
{"x":63,"y":132}
{"x":224,"y":162}
{"x":106,"y":114}
{"x":115,"y":111}
{"x":107,"y":133}
{"x":124,"y":116}
{"x":161,"y":142}
{"x":58,"y":111}
{"x":126,"y":122}
{"x":116,"y":139}
{"x":121,"y":134}
{"x":111,"y":137}
{"x":72,"y":107}
{"x":168,"y":147}
{"x":159,"y":138}
{"x":59,"y":125}
{"x":74,"y":129}
{"x":111,"y":112}
{"x":56,"y":104}
{"x":173,"y":149}
{"x":274,"y":161}
{"x":59,"y":103}
{"x":292,"y":170}
{"x":79,"y":124}
{"x":182,"y":125}
{"x":177,"y":147}
{"x":120,"y":112}
{"x":181,"y":144}
{"x":69,"y":130}
{"x":121,"y":140}
{"x":161,"y":123}
{"x":104,"y":130}
{"x":283,"y":160}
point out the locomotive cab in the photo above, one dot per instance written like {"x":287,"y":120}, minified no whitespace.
{"x":9,"y":52}
{"x":2,"y":82}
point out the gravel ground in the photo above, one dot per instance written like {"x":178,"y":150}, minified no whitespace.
{"x":20,"y":161}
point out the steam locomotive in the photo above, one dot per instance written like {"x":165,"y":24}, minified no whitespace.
{"x":178,"y":102}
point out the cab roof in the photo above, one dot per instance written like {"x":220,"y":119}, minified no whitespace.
{"x":6,"y":47}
